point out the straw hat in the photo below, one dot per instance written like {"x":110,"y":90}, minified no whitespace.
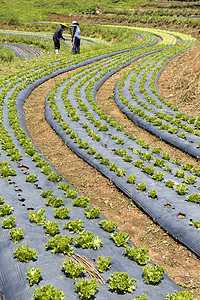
{"x":64,"y":24}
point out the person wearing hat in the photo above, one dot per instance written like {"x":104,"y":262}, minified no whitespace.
{"x":57,"y":36}
{"x":76,"y":38}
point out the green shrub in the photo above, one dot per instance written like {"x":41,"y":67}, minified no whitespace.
{"x":6,"y":55}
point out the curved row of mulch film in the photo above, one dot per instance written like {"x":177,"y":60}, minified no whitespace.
{"x":23,"y":51}
{"x":162,"y":187}
{"x":30,"y":186}
{"x":138,"y":97}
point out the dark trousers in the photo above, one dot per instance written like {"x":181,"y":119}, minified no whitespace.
{"x":76,"y":46}
{"x":57,"y":43}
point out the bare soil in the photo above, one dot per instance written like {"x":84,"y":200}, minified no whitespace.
{"x":179,"y":83}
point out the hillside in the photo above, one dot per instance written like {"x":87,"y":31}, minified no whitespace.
{"x":179,"y":84}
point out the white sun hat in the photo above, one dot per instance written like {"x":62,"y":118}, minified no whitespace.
{"x":75,"y":23}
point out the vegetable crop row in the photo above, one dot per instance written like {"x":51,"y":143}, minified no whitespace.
{"x":159,"y":115}
{"x":29,"y":178}
{"x":119,"y":159}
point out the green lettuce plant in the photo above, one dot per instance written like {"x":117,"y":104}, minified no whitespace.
{"x":195,"y":223}
{"x":105,"y":161}
{"x":103,"y":264}
{"x":148,"y":169}
{"x":127,"y":158}
{"x":158,"y":176}
{"x":92,"y":213}
{"x":156,"y":150}
{"x":113,"y":167}
{"x":190,"y":179}
{"x":6,"y":209}
{"x":6,"y":170}
{"x":52,"y":228}
{"x":71,"y":193}
{"x":108,"y":225}
{"x":98,"y":155}
{"x":64,"y":186}
{"x":176,"y":161}
{"x":61,"y":212}
{"x":153,"y":193}
{"x":152,"y":275}
{"x":120,"y":152}
{"x":167,"y":168}
{"x":24,"y":253}
{"x":46,"y":193}
{"x":141,"y":186}
{"x":169,"y":183}
{"x":87,"y":240}
{"x":86,"y":288}
{"x":75,"y":226}
{"x":60,"y":244}
{"x":146,"y":156}
{"x":54,"y":201}
{"x":34,"y":275}
{"x":120,"y":238}
{"x":120,"y":172}
{"x":43,"y":291}
{"x":138,"y":255}
{"x":159,"y":162}
{"x":31,"y":178}
{"x":81,"y":201}
{"x":166,"y":155}
{"x":181,"y":189}
{"x":16,"y":234}
{"x":188,"y":166}
{"x":193,"y":198}
{"x":184,"y":295}
{"x":131,"y":178}
{"x":54,"y":177}
{"x":37,"y":216}
{"x":91,"y":150}
{"x":8,"y":222}
{"x":72,"y":269}
{"x":139,"y":163}
{"x":120,"y":282}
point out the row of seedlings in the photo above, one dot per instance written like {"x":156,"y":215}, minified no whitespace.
{"x":121,"y":156}
{"x":27,"y":161}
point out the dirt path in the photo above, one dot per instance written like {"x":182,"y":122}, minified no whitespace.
{"x":181,"y":265}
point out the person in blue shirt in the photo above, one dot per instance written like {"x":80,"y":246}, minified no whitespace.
{"x":76,"y":38}
{"x":57,"y":36}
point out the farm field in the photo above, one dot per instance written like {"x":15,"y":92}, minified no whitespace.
{"x":125,"y":195}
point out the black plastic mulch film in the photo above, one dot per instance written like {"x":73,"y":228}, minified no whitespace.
{"x":25,"y":197}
